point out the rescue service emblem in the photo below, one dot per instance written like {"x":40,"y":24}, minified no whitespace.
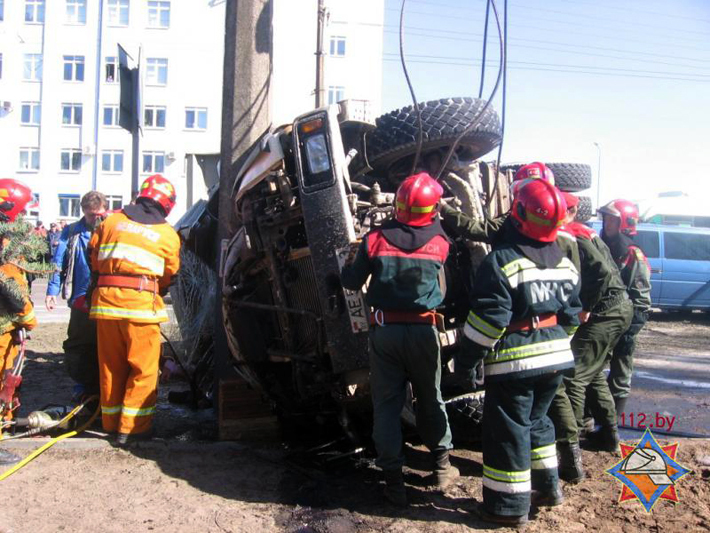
{"x":648,"y":472}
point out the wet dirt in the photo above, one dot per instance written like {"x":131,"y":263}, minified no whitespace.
{"x":180,"y":483}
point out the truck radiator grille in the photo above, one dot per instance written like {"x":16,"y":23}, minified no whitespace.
{"x":302,"y":293}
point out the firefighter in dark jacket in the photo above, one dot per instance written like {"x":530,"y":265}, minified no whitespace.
{"x":620,"y":220}
{"x":525,"y":305}
{"x":404,"y":259}
{"x":606,"y":315}
{"x":490,"y":230}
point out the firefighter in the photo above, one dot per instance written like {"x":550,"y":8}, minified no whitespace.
{"x":606,"y":315}
{"x":491,"y":230}
{"x":16,"y":310}
{"x":620,"y":219}
{"x":134,"y":256}
{"x":525,"y":305}
{"x":404,"y":259}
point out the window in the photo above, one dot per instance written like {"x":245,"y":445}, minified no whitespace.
{"x":157,"y":73}
{"x":71,"y":160}
{"x":69,"y":205}
{"x":33,"y":206}
{"x":648,"y":242}
{"x":195,"y":118}
{"x":688,"y":246}
{"x":2,"y":10}
{"x":73,"y":68}
{"x":154,"y":116}
{"x":112,"y":161}
{"x":114,"y":202}
{"x":336,"y":93}
{"x":34,"y":11}
{"x":112,"y":70}
{"x":153,"y":162}
{"x":0,"y":60}
{"x":31,"y":113}
{"x":72,"y":114}
{"x":158,"y":14}
{"x":76,"y":11}
{"x":29,"y":159}
{"x":111,"y":115}
{"x":33,"y":67}
{"x":337,"y":46}
{"x":118,"y":12}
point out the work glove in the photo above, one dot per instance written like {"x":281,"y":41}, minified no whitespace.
{"x":468,"y":364}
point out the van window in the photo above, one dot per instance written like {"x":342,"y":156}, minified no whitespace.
{"x":648,"y":242}
{"x":687,"y":246}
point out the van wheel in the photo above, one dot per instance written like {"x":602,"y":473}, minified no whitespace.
{"x":394,"y":142}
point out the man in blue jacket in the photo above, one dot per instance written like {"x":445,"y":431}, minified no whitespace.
{"x":71,"y":278}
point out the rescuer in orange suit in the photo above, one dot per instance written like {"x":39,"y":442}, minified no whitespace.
{"x":16,"y":310}
{"x":134,"y":256}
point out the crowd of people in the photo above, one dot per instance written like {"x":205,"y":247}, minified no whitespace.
{"x":551,"y":305}
{"x":113,"y":270}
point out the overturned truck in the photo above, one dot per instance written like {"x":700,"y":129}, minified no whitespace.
{"x":305,"y":193}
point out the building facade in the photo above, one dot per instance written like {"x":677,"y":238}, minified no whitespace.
{"x":60,"y":90}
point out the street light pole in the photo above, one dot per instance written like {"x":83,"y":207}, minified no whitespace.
{"x":599,"y":171}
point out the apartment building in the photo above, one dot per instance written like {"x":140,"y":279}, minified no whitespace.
{"x":59,"y":87}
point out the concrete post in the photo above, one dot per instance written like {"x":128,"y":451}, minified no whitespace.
{"x":248,"y":60}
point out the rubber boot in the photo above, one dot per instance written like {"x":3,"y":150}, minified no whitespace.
{"x":620,"y":404}
{"x":395,"y":492}
{"x":547,"y":498}
{"x":569,"y":459}
{"x":503,"y":520}
{"x":444,"y":472}
{"x":606,"y":439}
{"x":8,"y":458}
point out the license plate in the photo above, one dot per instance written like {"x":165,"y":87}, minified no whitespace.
{"x":354,"y":300}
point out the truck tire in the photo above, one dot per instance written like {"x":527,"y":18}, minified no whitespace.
{"x":395,"y":137}
{"x":569,"y":177}
{"x":465,"y":415}
{"x":584,"y":209}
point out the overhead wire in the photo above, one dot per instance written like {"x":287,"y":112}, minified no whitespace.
{"x":477,"y":118}
{"x":503,"y":102}
{"x":485,"y":47}
{"x":420,"y":133}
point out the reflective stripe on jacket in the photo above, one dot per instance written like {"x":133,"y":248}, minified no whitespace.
{"x":121,"y":246}
{"x":510,"y":287}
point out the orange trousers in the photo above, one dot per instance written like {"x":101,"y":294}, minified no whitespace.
{"x":8,"y":352}
{"x":129,"y":354}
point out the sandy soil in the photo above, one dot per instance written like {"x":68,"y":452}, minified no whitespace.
{"x":178,"y":483}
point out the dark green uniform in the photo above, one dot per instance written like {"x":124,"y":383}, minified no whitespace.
{"x":490,"y":231}
{"x":636,"y":276}
{"x":603,"y":295}
{"x":524,"y":306}
{"x":404,"y":264}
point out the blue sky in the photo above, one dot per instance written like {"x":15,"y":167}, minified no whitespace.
{"x":632,"y":76}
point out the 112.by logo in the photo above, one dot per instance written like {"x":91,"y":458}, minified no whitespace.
{"x":648,"y":471}
{"x":642,"y":420}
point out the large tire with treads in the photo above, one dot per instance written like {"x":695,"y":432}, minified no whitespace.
{"x":569,"y":177}
{"x":584,"y":209}
{"x":395,"y":137}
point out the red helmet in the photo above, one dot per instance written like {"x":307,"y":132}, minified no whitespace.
{"x":14,"y":197}
{"x":417,"y":200}
{"x":535,"y":171}
{"x":160,"y":190}
{"x":539,"y":210}
{"x":624,"y":210}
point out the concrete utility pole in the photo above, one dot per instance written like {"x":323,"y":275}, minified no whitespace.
{"x":320,"y":90}
{"x":246,"y":115}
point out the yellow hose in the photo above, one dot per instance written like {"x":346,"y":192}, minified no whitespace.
{"x":52,"y":442}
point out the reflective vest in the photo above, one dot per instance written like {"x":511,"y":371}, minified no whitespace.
{"x":16,"y":282}
{"x":123,"y":247}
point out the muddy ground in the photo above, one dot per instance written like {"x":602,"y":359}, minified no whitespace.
{"x":185,"y":482}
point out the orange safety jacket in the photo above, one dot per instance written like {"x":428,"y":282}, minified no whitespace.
{"x":11,"y":274}
{"x":123,"y":247}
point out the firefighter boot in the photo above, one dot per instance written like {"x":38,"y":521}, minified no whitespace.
{"x":7,"y":458}
{"x":620,"y":404}
{"x":547,"y":498}
{"x":444,"y":473}
{"x":605,"y":439}
{"x":395,"y":492}
{"x":569,"y":458}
